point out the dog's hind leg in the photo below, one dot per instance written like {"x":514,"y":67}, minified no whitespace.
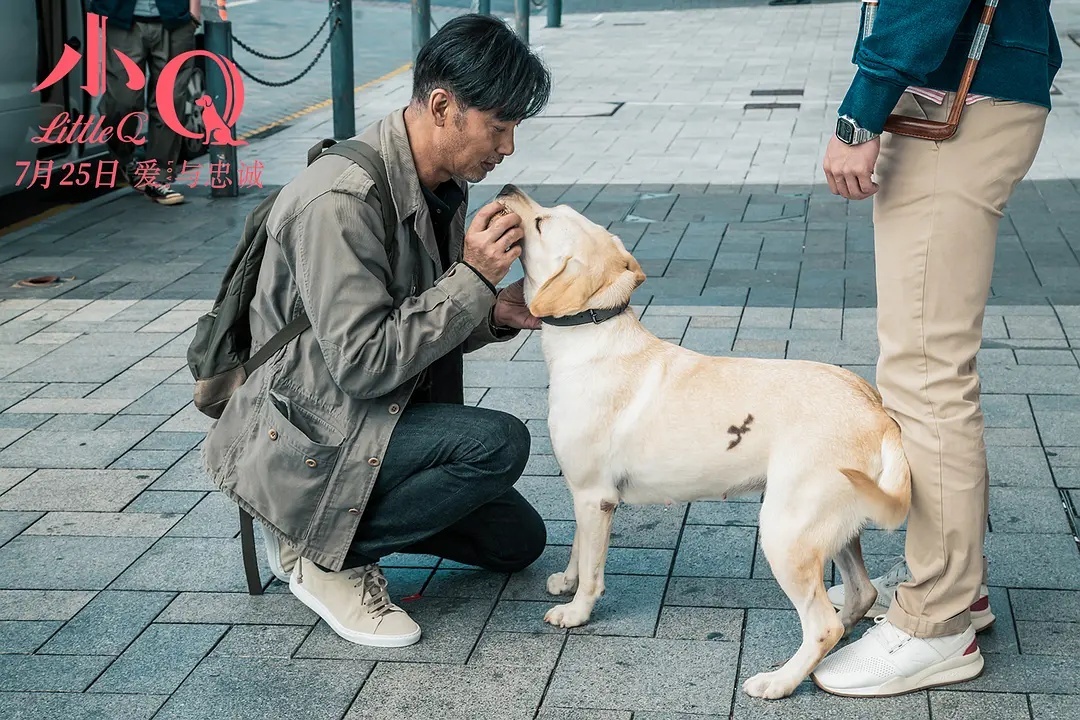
{"x":859,"y":594}
{"x":594,"y":511}
{"x":566,"y":582}
{"x":797,"y":561}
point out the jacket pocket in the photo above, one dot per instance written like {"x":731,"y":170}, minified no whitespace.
{"x":287,"y":463}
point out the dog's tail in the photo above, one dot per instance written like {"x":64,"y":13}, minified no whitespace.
{"x":890,"y":497}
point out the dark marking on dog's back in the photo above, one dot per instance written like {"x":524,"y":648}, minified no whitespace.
{"x":738,"y":431}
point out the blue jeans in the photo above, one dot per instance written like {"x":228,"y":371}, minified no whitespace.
{"x":446,"y":488}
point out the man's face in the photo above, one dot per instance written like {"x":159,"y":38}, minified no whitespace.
{"x":475,"y":142}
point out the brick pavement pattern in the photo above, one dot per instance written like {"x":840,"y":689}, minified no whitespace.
{"x":122,"y":593}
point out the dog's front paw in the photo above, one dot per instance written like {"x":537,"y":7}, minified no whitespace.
{"x":770,"y":685}
{"x":559,"y":584}
{"x":566,"y":616}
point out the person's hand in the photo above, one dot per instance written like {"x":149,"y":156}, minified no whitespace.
{"x":849,"y":168}
{"x":491,"y":242}
{"x":511,"y":310}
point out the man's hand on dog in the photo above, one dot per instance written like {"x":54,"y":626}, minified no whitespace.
{"x":511,"y":310}
{"x":491,"y":243}
{"x":849,"y":168}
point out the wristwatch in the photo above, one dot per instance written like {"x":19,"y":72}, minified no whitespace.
{"x":849,"y":132}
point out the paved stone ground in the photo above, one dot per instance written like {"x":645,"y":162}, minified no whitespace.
{"x":122,"y":593}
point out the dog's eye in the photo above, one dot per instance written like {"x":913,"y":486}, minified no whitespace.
{"x":538,"y":220}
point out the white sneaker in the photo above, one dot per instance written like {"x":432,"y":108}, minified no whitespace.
{"x":898,"y":574}
{"x":355,"y":604}
{"x":280,"y":557}
{"x":887,"y":661}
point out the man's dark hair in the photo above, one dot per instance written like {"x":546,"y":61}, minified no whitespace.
{"x":485,"y":65}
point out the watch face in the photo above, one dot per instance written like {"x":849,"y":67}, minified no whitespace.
{"x":845,"y":131}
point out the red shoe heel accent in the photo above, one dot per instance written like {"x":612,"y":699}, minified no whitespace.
{"x":972,"y":647}
{"x":981,"y":604}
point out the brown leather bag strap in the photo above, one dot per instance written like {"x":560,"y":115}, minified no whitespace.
{"x":934,"y":130}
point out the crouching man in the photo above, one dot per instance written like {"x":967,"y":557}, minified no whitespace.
{"x":353,"y":442}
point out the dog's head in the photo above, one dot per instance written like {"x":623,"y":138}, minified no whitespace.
{"x":571,"y":264}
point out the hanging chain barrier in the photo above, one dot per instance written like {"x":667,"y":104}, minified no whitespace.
{"x":305,"y":71}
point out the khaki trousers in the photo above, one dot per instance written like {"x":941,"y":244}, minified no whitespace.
{"x":936,"y":217}
{"x":150,"y":46}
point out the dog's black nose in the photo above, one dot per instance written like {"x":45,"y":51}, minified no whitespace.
{"x":508,"y":190}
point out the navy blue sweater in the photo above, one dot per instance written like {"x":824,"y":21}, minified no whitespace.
{"x":926,"y":43}
{"x":174,"y":13}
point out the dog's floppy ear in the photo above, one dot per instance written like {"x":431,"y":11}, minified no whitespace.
{"x":635,"y":267}
{"x":566,"y":292}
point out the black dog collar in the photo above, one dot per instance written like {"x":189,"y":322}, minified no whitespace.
{"x":585,"y":317}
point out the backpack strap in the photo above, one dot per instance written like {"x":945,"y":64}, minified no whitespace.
{"x":368,"y":158}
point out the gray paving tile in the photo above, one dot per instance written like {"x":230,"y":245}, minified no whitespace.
{"x":77,"y":490}
{"x":638,"y":674}
{"x":1018,"y":467}
{"x":125,"y":524}
{"x":108,"y":624}
{"x":10,"y":477}
{"x":186,"y":474}
{"x":463,"y":583}
{"x":77,"y":706}
{"x":66,"y":563}
{"x":229,"y":688}
{"x":93,"y":449}
{"x":25,"y":636}
{"x":500,"y":649}
{"x":1054,"y":707}
{"x":557,"y":713}
{"x":189,"y":564}
{"x":1049,"y":638}
{"x":725,"y":593}
{"x":396,"y":690}
{"x":1027,"y":510}
{"x":531,"y":583}
{"x":715,"y":624}
{"x":149,"y":459}
{"x":165,"y":501}
{"x":978,"y":706}
{"x":49,"y":673}
{"x":214,"y":516}
{"x":13,"y":523}
{"x":237,"y":608}
{"x":42,"y":604}
{"x":715,"y":551}
{"x":159,"y":660}
{"x":1046,"y":605}
{"x":1055,"y":566}
{"x":261,"y":641}
{"x":1000,"y":638}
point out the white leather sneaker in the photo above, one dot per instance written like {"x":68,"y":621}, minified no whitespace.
{"x":355,"y":604}
{"x":887,"y":661}
{"x":981,"y":615}
{"x":280,"y":557}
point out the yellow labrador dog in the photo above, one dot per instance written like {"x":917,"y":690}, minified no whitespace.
{"x":639,"y":420}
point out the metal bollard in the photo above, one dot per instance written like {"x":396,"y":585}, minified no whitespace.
{"x":218,"y":40}
{"x":521,"y":19}
{"x":554,"y":13}
{"x":341,"y":69}
{"x":421,"y":25}
{"x":483,"y":7}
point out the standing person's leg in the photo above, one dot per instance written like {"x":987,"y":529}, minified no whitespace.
{"x":119,"y":100}
{"x":936,"y":219}
{"x":163,"y":145}
{"x":445,"y":487}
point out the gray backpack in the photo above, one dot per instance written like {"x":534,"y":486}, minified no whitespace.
{"x":219,"y":355}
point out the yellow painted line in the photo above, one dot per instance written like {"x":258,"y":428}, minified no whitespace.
{"x":325,"y":103}
{"x":27,"y":222}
